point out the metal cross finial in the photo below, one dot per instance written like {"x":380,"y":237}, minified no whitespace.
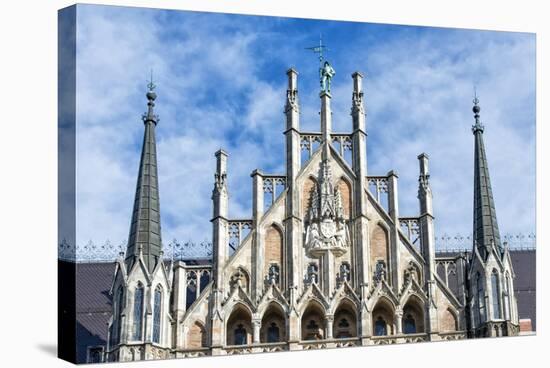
{"x":319,"y":49}
{"x":476,"y":100}
{"x":151,"y":85}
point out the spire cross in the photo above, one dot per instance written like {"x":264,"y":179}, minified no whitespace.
{"x":151,"y":85}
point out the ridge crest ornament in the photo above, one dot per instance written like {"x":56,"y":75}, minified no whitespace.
{"x":326,"y":228}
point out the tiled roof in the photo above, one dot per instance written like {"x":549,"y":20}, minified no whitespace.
{"x":93,"y":305}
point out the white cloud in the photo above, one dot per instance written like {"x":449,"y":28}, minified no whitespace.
{"x":213,"y":92}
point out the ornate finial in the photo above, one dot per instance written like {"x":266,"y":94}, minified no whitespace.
{"x":476,"y":109}
{"x":151,"y":85}
{"x":151,"y":97}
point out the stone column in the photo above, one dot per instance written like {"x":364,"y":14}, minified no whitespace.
{"x":180,"y":298}
{"x":294,"y":331}
{"x":359,"y":224}
{"x":427,"y":241}
{"x":220,"y":197}
{"x":326,"y":119}
{"x":292,"y":260}
{"x":366,"y":325}
{"x":329,"y":321}
{"x":398,"y":321}
{"x":257,"y":244}
{"x":327,"y":273}
{"x":220,"y":243}
{"x":393,"y":207}
{"x":256,"y":323}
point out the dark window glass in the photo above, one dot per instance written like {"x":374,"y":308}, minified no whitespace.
{"x":273,"y":333}
{"x":156,"y":315}
{"x":119,"y":306}
{"x":495,"y":296}
{"x":205,"y":279}
{"x":240,"y":335}
{"x":480,"y":300}
{"x":409,"y":325}
{"x":96,"y":355}
{"x":138,"y":313}
{"x":380,"y":327}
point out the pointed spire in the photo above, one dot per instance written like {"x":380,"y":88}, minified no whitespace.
{"x":145,"y":232}
{"x":485,"y":224}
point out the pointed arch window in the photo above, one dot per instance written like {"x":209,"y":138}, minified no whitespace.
{"x":156,"y":314}
{"x":495,"y":295}
{"x":138,"y":312}
{"x":380,"y":328}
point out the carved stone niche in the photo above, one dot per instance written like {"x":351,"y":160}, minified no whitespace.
{"x":326,"y":227}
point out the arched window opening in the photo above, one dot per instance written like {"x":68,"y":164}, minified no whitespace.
{"x":345,"y":321}
{"x":409,"y":324}
{"x":380,"y":328}
{"x":495,"y":289}
{"x":413,"y":316}
{"x":239,"y":326}
{"x":273,"y":326}
{"x":383,"y":318}
{"x":240,"y":335}
{"x":313,"y":322}
{"x":138,"y":313}
{"x":156,"y":314}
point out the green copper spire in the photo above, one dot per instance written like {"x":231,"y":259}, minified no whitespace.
{"x":485,"y":217}
{"x":145,"y":237}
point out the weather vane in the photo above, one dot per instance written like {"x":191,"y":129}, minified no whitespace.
{"x":326,"y":71}
{"x":319,"y":49}
{"x":151,"y":85}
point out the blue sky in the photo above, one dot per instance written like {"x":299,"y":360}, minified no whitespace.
{"x":221,"y":83}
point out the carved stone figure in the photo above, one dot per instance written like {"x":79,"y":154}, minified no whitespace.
{"x":326,"y":73}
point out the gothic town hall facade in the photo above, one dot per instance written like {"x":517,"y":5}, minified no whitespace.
{"x":326,"y":262}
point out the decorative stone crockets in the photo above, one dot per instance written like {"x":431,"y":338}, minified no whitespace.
{"x":326,"y":228}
